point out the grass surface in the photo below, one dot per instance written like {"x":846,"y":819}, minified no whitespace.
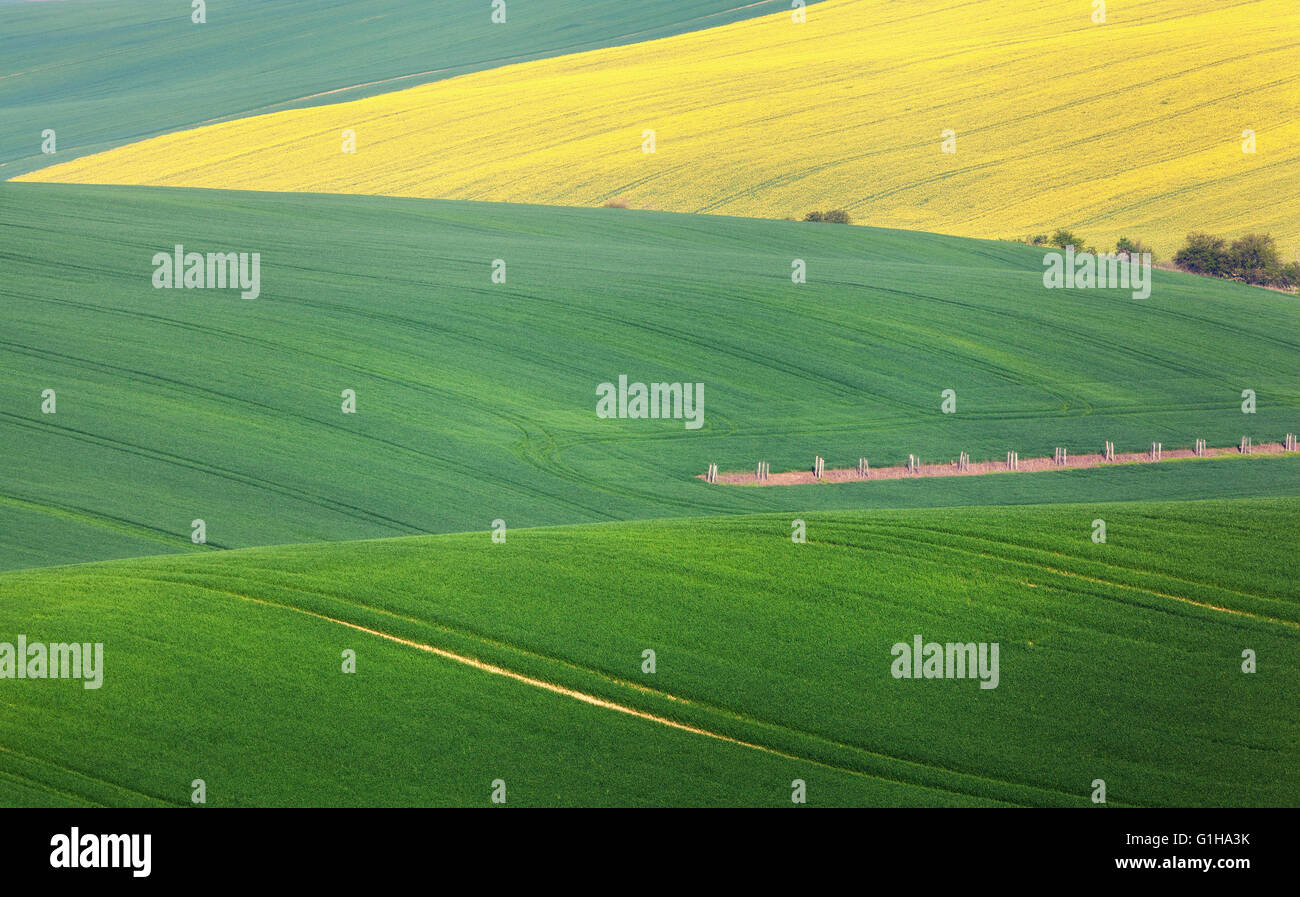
{"x":476,"y":401}
{"x":1118,"y":661}
{"x":1133,"y":127}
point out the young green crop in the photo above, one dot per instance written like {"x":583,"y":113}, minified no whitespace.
{"x":1120,"y":661}
{"x":476,"y":401}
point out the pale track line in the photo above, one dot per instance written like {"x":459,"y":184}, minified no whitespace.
{"x":552,"y":687}
{"x":641,"y":714}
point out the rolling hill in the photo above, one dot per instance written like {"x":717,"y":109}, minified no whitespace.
{"x":1132,"y":127}
{"x":101,"y":73}
{"x":476,"y":400}
{"x":338,"y":457}
{"x":523,"y":661}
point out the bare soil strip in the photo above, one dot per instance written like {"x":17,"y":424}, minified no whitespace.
{"x":552,"y":687}
{"x":981,"y":468}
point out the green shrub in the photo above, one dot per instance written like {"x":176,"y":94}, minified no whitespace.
{"x":834,"y":216}
{"x":1063,"y":238}
{"x":1291,"y":275}
{"x":1253,"y":258}
{"x":1203,"y":254}
{"x":1134,"y":247}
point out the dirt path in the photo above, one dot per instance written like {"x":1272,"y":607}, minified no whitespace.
{"x":949,"y":469}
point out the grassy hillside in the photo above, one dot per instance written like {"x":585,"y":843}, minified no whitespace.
{"x":1118,"y":661}
{"x":1130,"y":127}
{"x":476,"y":401}
{"x":111,"y":71}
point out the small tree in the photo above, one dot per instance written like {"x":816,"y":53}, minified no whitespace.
{"x":1203,"y":254}
{"x":1291,"y":275}
{"x":1063,"y":238}
{"x":1253,"y":258}
{"x":1135,"y":248}
{"x":834,"y":216}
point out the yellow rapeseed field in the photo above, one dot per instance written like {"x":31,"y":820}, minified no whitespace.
{"x":1135,"y":126}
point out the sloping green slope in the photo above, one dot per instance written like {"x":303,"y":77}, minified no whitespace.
{"x":109,"y":72}
{"x":1119,"y":661}
{"x":476,"y":401}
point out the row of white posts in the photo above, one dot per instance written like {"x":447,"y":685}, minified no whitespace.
{"x":1060,"y":457}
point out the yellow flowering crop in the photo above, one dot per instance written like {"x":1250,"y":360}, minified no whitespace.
{"x":1134,"y":126}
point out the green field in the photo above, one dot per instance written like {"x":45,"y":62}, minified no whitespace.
{"x":476,"y":401}
{"x":1118,"y":661}
{"x":110,"y":72}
